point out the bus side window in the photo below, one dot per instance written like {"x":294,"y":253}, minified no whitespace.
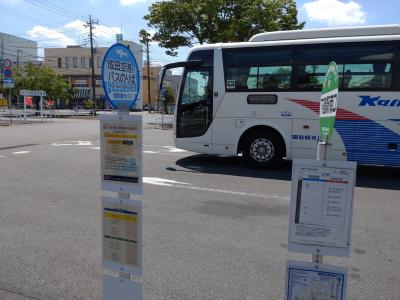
{"x":369,"y":76}
{"x":359,"y":66}
{"x":312,"y":76}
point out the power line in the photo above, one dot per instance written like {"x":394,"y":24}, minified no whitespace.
{"x":19,"y":14}
{"x":51,"y":7}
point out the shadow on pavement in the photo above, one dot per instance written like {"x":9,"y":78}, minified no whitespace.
{"x":367,"y":176}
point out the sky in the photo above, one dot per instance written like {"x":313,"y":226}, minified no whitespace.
{"x":58,"y":23}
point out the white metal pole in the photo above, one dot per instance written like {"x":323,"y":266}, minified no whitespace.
{"x":323,"y":153}
{"x":24,"y":109}
{"x":9,"y":98}
{"x":9,"y":103}
{"x":41,"y":108}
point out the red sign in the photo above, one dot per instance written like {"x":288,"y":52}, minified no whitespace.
{"x":7,"y":64}
{"x":50,"y":103}
{"x":28,"y":100}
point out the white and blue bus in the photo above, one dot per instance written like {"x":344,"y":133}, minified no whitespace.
{"x":261,"y":98}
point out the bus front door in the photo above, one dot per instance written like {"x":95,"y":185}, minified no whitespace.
{"x":195,"y":110}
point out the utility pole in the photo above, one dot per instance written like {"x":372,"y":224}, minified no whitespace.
{"x":148,"y":73}
{"x":2,"y":56}
{"x":18,"y":52}
{"x":145,"y":39}
{"x":90,"y":25}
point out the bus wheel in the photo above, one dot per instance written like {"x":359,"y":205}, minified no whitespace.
{"x":263,"y":149}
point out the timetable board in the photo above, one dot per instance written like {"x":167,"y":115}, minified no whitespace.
{"x":321,"y":207}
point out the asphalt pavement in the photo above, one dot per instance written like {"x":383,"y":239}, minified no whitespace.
{"x":213,"y":227}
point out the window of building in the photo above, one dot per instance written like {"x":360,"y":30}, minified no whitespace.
{"x":90,"y":62}
{"x":83,"y":62}
{"x":75,"y":62}
{"x":67,"y":62}
{"x":59,"y":62}
{"x":98,"y":62}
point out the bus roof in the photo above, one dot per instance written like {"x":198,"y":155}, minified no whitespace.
{"x":314,"y":36}
{"x":327,"y":33}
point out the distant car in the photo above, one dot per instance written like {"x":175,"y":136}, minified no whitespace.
{"x":148,"y":107}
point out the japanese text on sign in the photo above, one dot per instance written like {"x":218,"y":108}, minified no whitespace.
{"x":329,"y":103}
{"x":120,"y":75}
{"x":321,"y":205}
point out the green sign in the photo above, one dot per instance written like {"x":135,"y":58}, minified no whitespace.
{"x":328,"y":105}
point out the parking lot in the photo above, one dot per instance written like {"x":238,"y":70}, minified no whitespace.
{"x":213,"y":227}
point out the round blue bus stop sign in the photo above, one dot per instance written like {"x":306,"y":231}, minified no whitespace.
{"x":120,"y":76}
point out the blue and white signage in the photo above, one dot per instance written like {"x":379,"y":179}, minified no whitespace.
{"x":8,"y":82}
{"x":120,"y":76}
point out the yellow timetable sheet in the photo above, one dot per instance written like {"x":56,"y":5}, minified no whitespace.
{"x":121,"y":150}
{"x":120,"y":234}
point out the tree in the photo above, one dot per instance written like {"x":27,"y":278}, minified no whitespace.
{"x":145,"y":37}
{"x":184,"y":23}
{"x":169,"y":98}
{"x":33,"y":77}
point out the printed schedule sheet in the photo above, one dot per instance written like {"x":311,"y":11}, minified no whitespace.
{"x":321,"y":205}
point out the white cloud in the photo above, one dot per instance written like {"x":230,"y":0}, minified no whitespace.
{"x":130,"y":2}
{"x":71,"y":32}
{"x":100,"y":31}
{"x":54,"y":36}
{"x":335,"y":12}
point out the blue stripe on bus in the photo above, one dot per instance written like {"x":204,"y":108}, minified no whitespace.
{"x":367,"y":142}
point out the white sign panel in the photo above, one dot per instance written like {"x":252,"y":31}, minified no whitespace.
{"x":121,"y":148}
{"x":121,"y":289}
{"x":321,"y":207}
{"x":305,"y":281}
{"x":32,"y":93}
{"x":122,"y":235}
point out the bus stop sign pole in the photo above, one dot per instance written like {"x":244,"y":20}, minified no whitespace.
{"x":327,"y":115}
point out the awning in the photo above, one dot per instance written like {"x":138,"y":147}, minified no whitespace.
{"x":82,"y":93}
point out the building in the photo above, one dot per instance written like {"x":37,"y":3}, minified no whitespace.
{"x":20,"y":51}
{"x":74,"y":64}
{"x":170,"y":80}
{"x":154,"y":71}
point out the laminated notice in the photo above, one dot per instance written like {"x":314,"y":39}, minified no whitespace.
{"x":121,"y":153}
{"x":322,"y":203}
{"x":306,"y":281}
{"x":122,"y":234}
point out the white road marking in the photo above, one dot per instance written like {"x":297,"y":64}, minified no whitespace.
{"x":73,"y":143}
{"x":173,"y":149}
{"x":94,"y":148}
{"x":184,"y":185}
{"x":2,"y":156}
{"x":162,"y":181}
{"x":151,"y":152}
{"x":169,"y":147}
{"x":21,"y":152}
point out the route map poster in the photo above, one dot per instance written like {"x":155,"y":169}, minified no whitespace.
{"x":322,"y":204}
{"x":305,"y":281}
{"x":121,"y":153}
